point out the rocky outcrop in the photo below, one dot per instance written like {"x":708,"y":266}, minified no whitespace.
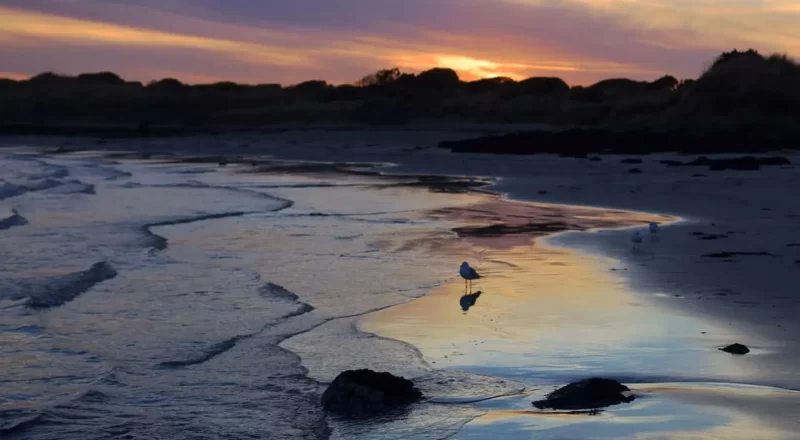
{"x":364,"y":392}
{"x":736,"y":349}
{"x":587,"y":394}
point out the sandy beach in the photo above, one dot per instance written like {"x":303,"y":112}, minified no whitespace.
{"x":563,"y":296}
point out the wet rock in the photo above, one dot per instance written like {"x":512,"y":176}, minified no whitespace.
{"x":587,"y":394}
{"x":631,"y":161}
{"x":736,"y":349}
{"x":595,"y":158}
{"x":634,"y":171}
{"x":363,"y":392}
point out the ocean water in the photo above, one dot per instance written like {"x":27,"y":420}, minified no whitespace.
{"x":150,"y":299}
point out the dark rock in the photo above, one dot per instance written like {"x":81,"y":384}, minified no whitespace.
{"x":587,"y":394}
{"x":736,"y":349}
{"x":362,"y":392}
{"x":595,"y":158}
{"x":671,"y":163}
{"x":634,"y":171}
{"x":698,"y":175}
{"x":542,"y":192}
{"x":631,"y":161}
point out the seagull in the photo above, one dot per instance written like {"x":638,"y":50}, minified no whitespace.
{"x":468,"y":274}
{"x":653,"y":228}
{"x":637,"y":240}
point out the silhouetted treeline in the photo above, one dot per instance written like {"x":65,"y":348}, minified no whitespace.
{"x":738,"y":88}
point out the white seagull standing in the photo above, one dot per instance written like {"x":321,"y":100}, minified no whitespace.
{"x":653,"y":228}
{"x":637,"y":240}
{"x":468,"y":274}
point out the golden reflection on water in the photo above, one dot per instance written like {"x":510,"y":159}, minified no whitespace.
{"x":528,"y":291}
{"x":551,"y":312}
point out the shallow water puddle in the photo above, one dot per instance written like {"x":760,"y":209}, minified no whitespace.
{"x":549,"y":315}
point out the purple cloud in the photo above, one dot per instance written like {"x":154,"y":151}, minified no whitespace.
{"x":493,"y":30}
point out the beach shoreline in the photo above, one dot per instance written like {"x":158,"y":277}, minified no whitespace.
{"x":608,"y":243}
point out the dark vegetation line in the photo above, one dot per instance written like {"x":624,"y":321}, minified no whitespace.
{"x":741,"y":91}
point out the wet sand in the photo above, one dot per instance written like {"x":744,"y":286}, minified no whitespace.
{"x":546,"y":315}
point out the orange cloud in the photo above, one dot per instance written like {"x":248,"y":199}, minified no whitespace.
{"x":14,"y":75}
{"x":21,"y":24}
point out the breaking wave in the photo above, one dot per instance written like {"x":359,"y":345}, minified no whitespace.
{"x":54,"y":291}
{"x":12,"y":220}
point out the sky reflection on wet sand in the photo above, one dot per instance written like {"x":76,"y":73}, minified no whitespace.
{"x":549,"y":315}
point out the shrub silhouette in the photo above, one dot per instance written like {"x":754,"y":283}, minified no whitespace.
{"x":439,"y":78}
{"x":104,"y":78}
{"x":380,"y":78}
{"x":741,"y":92}
{"x":540,"y":86}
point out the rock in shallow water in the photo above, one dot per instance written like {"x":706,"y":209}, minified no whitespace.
{"x":359,"y":392}
{"x":736,"y":349}
{"x":586,"y":394}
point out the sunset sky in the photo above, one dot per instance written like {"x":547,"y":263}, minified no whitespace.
{"x":289,"y":41}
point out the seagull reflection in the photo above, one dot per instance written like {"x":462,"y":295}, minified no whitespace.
{"x":468,"y":301}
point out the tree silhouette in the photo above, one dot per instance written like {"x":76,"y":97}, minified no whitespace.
{"x":380,"y":78}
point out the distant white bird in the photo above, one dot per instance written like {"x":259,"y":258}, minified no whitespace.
{"x":468,"y":274}
{"x":637,"y":240}
{"x":653,"y":228}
